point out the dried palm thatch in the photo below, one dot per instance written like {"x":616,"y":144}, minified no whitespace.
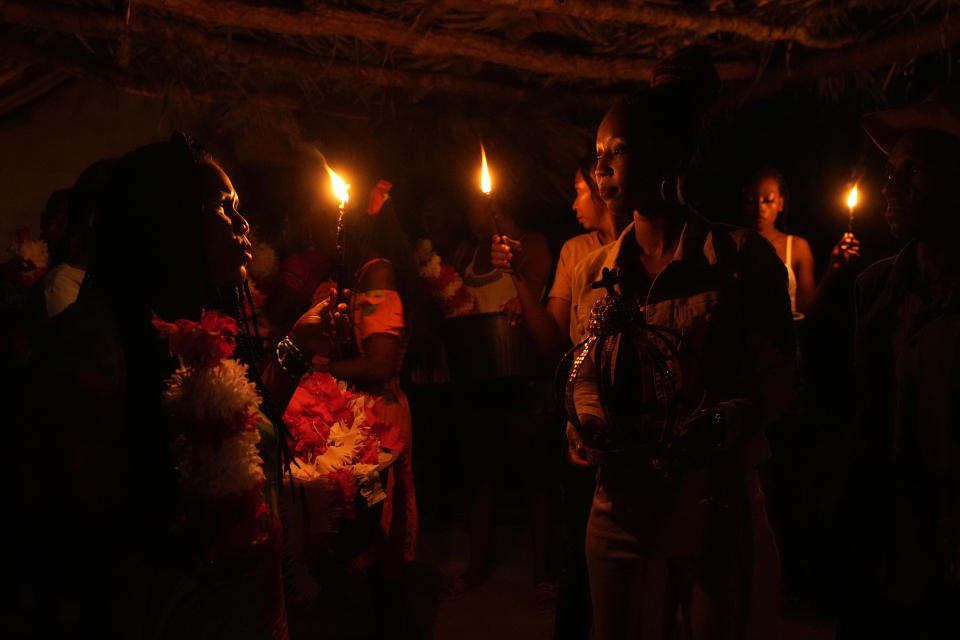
{"x":569,"y":54}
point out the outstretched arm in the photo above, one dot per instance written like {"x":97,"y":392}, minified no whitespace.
{"x":811,"y":296}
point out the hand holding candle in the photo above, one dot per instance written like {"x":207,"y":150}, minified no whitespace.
{"x":506,"y":254}
{"x":847,"y":251}
{"x":318,"y":331}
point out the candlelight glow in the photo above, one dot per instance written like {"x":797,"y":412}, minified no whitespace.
{"x":339,"y":187}
{"x":484,"y":174}
{"x":852,"y":198}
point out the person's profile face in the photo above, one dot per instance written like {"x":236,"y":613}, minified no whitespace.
{"x":225,"y":231}
{"x":589,"y":211}
{"x":762,"y":204}
{"x":615,"y":167}
{"x":922,"y":187}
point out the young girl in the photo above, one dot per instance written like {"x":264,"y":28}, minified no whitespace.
{"x":765,"y":203}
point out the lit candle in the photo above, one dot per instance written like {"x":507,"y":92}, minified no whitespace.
{"x":486,"y":187}
{"x":851,"y":205}
{"x":342,"y":190}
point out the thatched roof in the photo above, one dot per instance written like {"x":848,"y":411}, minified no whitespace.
{"x":573,"y":54}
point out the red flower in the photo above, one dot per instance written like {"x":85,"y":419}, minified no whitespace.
{"x":309,"y":435}
{"x":370,"y":453}
{"x":389,"y":435}
{"x":343,"y":493}
{"x":203,"y":343}
{"x":378,"y":195}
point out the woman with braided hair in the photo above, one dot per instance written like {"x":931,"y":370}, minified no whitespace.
{"x":688,"y":356}
{"x":169,"y":245}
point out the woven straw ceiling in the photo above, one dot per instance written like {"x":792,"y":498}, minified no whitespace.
{"x":292,"y":54}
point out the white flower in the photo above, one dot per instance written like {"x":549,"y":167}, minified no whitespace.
{"x":433,"y":268}
{"x":222,"y":392}
{"x":423,"y":250}
{"x":303,"y":470}
{"x":343,"y":447}
{"x":451,"y":289}
{"x":230,"y":467}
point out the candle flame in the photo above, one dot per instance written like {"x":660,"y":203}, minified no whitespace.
{"x":339,"y":187}
{"x":484,"y":173}
{"x":852,"y":198}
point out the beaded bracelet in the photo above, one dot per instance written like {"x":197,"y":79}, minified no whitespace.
{"x":291,"y":359}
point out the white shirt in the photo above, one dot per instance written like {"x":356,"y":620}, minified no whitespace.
{"x":61,"y":286}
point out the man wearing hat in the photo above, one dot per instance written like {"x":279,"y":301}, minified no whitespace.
{"x":905,"y":551}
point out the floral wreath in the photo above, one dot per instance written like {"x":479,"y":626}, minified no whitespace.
{"x":338,"y":440}
{"x":215,"y":408}
{"x":443,"y":282}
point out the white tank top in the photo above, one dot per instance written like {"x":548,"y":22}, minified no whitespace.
{"x":492,"y":289}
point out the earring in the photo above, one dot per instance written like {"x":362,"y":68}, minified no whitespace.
{"x":670,"y":192}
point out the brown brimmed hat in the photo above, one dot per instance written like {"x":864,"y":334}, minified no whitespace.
{"x":939,"y":111}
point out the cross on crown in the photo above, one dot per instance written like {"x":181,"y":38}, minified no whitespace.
{"x":608,"y":280}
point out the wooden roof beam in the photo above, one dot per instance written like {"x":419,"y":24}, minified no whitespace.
{"x":920,"y":40}
{"x":324,"y":20}
{"x":125,"y":81}
{"x":332,"y":21}
{"x":160,"y":31}
{"x":696,"y":22}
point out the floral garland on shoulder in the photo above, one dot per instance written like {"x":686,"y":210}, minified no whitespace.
{"x":443,"y":282}
{"x":338,"y":440}
{"x":215,"y":407}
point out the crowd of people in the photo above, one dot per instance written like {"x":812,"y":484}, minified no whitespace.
{"x":204,"y":430}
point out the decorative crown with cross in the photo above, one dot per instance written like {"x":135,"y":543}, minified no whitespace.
{"x":614,"y":312}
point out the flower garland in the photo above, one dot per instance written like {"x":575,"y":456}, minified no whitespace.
{"x":337,"y":439}
{"x":215,"y":406}
{"x":444,"y":283}
{"x":33,"y":256}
